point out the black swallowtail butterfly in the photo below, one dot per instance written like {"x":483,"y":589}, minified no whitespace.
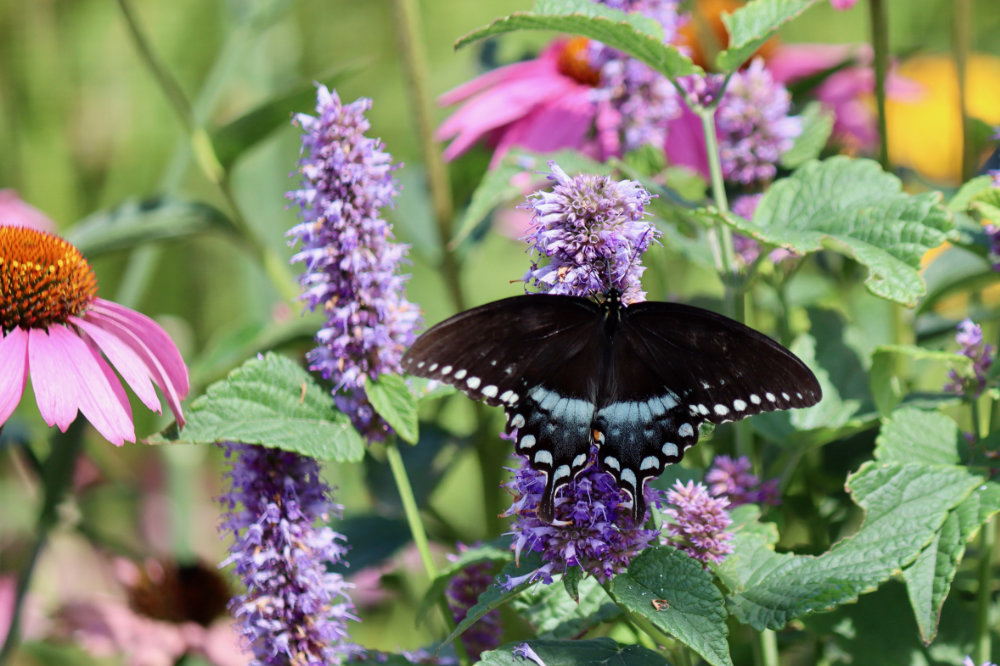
{"x":638,"y":380}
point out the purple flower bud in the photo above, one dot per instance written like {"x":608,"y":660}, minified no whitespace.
{"x":699,"y":522}
{"x":970,"y":338}
{"x":733,"y":480}
{"x":592,"y":231}
{"x":463,"y":593}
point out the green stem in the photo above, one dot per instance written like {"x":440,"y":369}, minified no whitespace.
{"x":206,"y":158}
{"x":879,"y":18}
{"x":57,"y":477}
{"x":767,"y":643}
{"x":418,"y":532}
{"x":961,"y":38}
{"x":414,"y":60}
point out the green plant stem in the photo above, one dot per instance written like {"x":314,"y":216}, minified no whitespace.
{"x":414,"y":61}
{"x":204,"y":155}
{"x":766,"y":648}
{"x":879,"y":18}
{"x":961,"y":38}
{"x":418,"y":532}
{"x":57,"y":477}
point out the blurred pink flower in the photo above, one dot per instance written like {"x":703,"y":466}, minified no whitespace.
{"x":54,"y":328}
{"x":846,"y":92}
{"x":16,"y":213}
{"x":542,"y":105}
{"x":843,"y":4}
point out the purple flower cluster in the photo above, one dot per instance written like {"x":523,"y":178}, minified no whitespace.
{"x":753,"y":125}
{"x":699,"y":522}
{"x":593,"y":527}
{"x":993,"y":235}
{"x":295,"y":610}
{"x":463,"y":592}
{"x":591,"y":229}
{"x":970,"y":339}
{"x":733,"y":480}
{"x":640,"y":101}
{"x":351,"y":262}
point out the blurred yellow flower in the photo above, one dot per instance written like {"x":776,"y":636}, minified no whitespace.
{"x":925,"y":133}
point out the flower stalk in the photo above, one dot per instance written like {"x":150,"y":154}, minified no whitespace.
{"x":879,"y":17}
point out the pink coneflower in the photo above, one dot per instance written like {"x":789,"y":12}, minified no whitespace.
{"x":542,"y":105}
{"x":54,"y":328}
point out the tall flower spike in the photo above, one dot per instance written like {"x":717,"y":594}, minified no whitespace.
{"x":352,"y":263}
{"x":591,"y":230}
{"x":55,"y":329}
{"x":733,"y":480}
{"x":754,"y":127}
{"x":699,"y":522}
{"x":295,"y":609}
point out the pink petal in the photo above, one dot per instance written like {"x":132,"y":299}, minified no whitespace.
{"x":147,"y":339}
{"x":843,"y":4}
{"x":685,"y":143}
{"x":791,"y":62}
{"x":519,"y":70}
{"x":16,"y":213}
{"x":13,"y":366}
{"x":122,"y":357}
{"x":87,"y":380}
{"x":563,"y":123}
{"x":56,"y":392}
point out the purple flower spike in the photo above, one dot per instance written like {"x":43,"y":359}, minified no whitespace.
{"x":733,"y":480}
{"x":593,"y":527}
{"x":970,"y":338}
{"x":591,"y":229}
{"x":699,"y":523}
{"x":463,"y":593}
{"x":754,"y":127}
{"x":351,"y":262}
{"x":295,"y":610}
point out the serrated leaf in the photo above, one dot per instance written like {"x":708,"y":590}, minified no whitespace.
{"x":853,"y":207}
{"x":694,"y":612}
{"x":596,"y":651}
{"x":495,"y":552}
{"x":987,"y":203}
{"x":817,"y":125}
{"x":886,"y":388}
{"x":633,"y":34}
{"x":919,"y":436}
{"x":753,"y":24}
{"x":928,"y":580}
{"x":905,"y":504}
{"x":554,"y":613}
{"x":271,"y":401}
{"x":392,"y":400}
{"x":236,"y":137}
{"x":134,"y":223}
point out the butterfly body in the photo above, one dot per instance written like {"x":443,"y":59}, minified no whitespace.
{"x":638,"y":380}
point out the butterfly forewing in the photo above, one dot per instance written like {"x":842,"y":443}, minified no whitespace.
{"x":639,"y":379}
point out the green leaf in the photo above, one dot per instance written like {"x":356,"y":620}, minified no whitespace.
{"x":273,"y":402}
{"x":556,"y":614}
{"x":987,"y":203}
{"x":596,"y":651}
{"x":394,"y":402}
{"x":905,"y":505}
{"x":136,"y":223}
{"x":853,"y":207}
{"x":753,"y":24}
{"x":633,"y":34}
{"x":885,"y":382}
{"x":675,"y":594}
{"x":817,"y":125}
{"x":912,"y":435}
{"x":236,"y":137}
{"x":962,"y":199}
